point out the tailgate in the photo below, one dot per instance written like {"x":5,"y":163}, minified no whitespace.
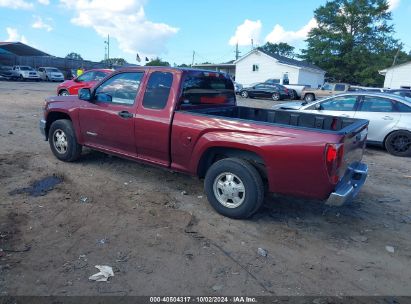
{"x":354,"y":144}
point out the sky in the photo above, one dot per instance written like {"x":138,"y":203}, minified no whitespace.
{"x":170,"y":29}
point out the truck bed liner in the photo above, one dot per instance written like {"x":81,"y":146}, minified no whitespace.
{"x":289,"y":118}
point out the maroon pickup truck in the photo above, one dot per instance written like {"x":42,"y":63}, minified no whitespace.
{"x":188,"y":121}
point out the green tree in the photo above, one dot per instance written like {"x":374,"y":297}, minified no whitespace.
{"x":353,"y":41}
{"x":157,"y":62}
{"x":282,"y":48}
{"x":114,"y":61}
{"x":75,"y":56}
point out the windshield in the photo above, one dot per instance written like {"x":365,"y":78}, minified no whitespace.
{"x":26,"y":68}
{"x":201,"y":88}
{"x":53,"y":70}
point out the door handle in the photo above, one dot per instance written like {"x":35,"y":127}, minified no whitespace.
{"x":125,"y":114}
{"x":388,"y":118}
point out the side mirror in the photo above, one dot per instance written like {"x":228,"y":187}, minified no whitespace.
{"x":84,"y":94}
{"x":75,"y":79}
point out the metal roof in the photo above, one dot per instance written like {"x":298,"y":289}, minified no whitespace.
{"x":20,"y":49}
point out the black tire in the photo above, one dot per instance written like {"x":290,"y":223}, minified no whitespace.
{"x":72,"y":150}
{"x":398,"y":143}
{"x":244,"y":94}
{"x":21,"y":78}
{"x":309,"y":97}
{"x":64,"y":93}
{"x":276,"y":96}
{"x":253,"y":196}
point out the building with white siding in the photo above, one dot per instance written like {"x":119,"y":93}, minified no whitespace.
{"x":258,"y":66}
{"x":398,"y":76}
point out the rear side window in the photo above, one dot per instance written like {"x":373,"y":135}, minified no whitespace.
{"x":157,"y":90}
{"x":339,"y":87}
{"x":403,"y":108}
{"x":376,"y":104}
{"x":207,"y":88}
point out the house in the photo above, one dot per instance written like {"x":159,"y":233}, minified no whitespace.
{"x":398,"y":76}
{"x":258,"y":66}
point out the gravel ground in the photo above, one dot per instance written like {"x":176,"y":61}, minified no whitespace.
{"x":133,"y":217}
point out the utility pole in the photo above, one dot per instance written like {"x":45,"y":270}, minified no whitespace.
{"x":252,"y":44}
{"x":194,"y":54}
{"x":107,"y":42}
{"x":396,"y":56}
{"x":237,"y":52}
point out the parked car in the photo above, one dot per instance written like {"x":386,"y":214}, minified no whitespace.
{"x":238,"y":87}
{"x":86,"y":80}
{"x":6,"y":71}
{"x":295,"y":89}
{"x":23,"y":72}
{"x":328,"y":89}
{"x":275,"y":92}
{"x":400,"y":92}
{"x":389,"y":116}
{"x":188,"y":121}
{"x":50,"y":74}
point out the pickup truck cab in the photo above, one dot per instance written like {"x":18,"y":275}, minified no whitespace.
{"x":328,"y":89}
{"x":23,"y":72}
{"x":188,"y":121}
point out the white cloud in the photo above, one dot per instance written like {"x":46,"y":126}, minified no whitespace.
{"x":279,"y":34}
{"x":125,"y":21}
{"x":44,"y":2}
{"x":14,"y":36}
{"x":249,"y":30}
{"x":393,"y":4}
{"x":16,"y":4}
{"x":40,"y":24}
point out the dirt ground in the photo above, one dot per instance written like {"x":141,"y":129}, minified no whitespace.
{"x":133,"y":217}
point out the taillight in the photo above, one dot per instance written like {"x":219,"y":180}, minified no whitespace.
{"x":333,"y":159}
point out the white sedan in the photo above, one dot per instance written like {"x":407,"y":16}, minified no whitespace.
{"x":389,"y":116}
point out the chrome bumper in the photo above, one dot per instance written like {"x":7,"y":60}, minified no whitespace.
{"x":42,"y":125}
{"x":350,"y":185}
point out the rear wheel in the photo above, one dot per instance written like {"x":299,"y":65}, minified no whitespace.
{"x":398,"y":143}
{"x":244,"y":94}
{"x":234,"y":188}
{"x":63,"y":142}
{"x":309,"y":97}
{"x":276,"y":96}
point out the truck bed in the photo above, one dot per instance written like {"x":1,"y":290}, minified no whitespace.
{"x":339,"y":125}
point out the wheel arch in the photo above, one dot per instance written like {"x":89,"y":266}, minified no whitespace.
{"x":52,"y":117}
{"x":214,"y":154}
{"x":391,"y":132}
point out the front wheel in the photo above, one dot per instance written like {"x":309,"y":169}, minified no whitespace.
{"x":234,"y":188}
{"x":63,"y":142}
{"x":64,"y":93}
{"x":398,"y":143}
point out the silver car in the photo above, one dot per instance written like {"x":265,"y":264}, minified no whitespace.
{"x":389,"y":116}
{"x":50,"y":74}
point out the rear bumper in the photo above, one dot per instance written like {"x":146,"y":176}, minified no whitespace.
{"x":42,"y":125}
{"x":350,"y":185}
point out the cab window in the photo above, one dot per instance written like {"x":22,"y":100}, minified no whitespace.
{"x":119,"y":89}
{"x":340,"y":87}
